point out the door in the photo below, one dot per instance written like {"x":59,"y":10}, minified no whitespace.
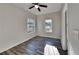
{"x":73,"y":28}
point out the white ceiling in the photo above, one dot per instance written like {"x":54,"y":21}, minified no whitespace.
{"x":52,"y":7}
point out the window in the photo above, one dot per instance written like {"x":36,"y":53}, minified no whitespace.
{"x":30,"y":25}
{"x":48,"y":25}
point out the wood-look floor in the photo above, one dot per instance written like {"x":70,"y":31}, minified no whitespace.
{"x":35,"y":46}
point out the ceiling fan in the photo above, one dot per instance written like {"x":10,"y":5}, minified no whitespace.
{"x":37,"y":5}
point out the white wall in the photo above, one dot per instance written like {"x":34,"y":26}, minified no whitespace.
{"x":73,"y":25}
{"x":56,"y":17}
{"x":12,"y":26}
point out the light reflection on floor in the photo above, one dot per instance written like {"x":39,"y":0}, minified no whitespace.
{"x":51,"y":50}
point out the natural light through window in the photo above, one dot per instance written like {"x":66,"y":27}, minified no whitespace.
{"x":30,"y":25}
{"x":48,"y":25}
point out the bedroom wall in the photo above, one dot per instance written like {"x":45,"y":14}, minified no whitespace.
{"x":12,"y":26}
{"x":56,"y":18}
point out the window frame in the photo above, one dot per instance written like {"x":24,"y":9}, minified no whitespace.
{"x":51,"y":26}
{"x":32,"y":29}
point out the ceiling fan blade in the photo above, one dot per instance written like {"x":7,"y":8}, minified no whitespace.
{"x":39,"y":9}
{"x":35,"y":3}
{"x":43,"y":6}
{"x":31,"y":7}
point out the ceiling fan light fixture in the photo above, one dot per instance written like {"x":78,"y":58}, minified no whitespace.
{"x":36,"y":6}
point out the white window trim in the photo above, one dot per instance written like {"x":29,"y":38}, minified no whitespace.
{"x":33,"y":30}
{"x":51,"y":26}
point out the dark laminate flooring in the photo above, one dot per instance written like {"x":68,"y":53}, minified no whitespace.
{"x":35,"y":46}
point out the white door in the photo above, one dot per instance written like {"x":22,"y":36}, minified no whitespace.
{"x":73,"y":28}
